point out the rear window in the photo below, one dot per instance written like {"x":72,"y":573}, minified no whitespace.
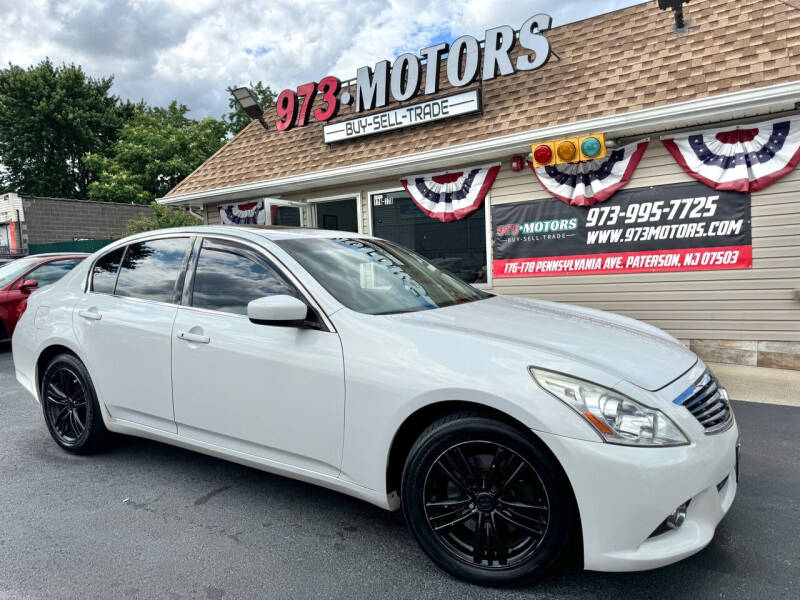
{"x":150,"y":269}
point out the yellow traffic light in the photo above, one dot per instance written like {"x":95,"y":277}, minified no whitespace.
{"x":567,"y":151}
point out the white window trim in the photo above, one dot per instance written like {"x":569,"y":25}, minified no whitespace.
{"x":312,"y":209}
{"x":488,"y":222}
{"x":281,"y":202}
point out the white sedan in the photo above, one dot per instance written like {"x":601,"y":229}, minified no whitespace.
{"x":504,"y":427}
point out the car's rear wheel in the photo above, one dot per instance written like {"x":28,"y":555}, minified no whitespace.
{"x":484,"y":501}
{"x":70,"y":406}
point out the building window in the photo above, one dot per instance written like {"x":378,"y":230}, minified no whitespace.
{"x":288,"y":216}
{"x":339,"y":215}
{"x":458,"y":247}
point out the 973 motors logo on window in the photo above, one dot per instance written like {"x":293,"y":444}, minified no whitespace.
{"x":682,"y":227}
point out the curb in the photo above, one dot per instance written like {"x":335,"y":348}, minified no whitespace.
{"x":759,"y":384}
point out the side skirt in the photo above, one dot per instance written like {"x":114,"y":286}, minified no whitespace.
{"x":332,"y":483}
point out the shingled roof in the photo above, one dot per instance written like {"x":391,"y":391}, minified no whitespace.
{"x":612,"y":64}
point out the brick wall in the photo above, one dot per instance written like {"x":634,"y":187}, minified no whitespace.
{"x":60,"y":219}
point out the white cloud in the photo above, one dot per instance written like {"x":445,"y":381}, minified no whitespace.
{"x":191,"y":50}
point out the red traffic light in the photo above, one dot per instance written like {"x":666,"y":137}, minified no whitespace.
{"x":543,"y":154}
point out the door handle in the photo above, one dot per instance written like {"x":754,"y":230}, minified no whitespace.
{"x":92,"y":314}
{"x":193,"y":337}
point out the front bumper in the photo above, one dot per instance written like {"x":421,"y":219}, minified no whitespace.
{"x":624,"y":493}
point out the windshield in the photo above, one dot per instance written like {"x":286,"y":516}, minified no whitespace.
{"x":14,"y":269}
{"x":377,"y":277}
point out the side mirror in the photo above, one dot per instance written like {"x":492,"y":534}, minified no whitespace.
{"x":281,"y":310}
{"x":29,"y":285}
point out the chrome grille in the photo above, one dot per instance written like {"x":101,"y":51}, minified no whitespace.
{"x":708,"y":402}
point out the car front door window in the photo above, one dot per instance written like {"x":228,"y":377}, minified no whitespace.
{"x":228,"y":277}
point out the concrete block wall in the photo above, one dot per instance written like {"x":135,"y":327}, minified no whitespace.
{"x":61,"y":219}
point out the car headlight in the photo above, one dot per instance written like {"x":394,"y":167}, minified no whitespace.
{"x":617,"y":418}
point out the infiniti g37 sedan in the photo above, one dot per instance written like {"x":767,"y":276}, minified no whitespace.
{"x":503,"y":427}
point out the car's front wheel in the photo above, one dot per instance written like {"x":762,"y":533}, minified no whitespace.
{"x":484,"y":501}
{"x":70,"y":406}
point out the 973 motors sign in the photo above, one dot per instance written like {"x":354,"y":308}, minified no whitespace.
{"x":462,"y":63}
{"x":678,"y":227}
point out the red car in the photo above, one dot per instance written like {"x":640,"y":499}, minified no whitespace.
{"x":20,"y":277}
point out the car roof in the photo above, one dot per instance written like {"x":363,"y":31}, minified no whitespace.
{"x":58,"y":255}
{"x":270,"y":232}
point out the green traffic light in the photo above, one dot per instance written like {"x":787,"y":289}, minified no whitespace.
{"x":591,"y":147}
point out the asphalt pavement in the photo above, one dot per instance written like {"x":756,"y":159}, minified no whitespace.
{"x":146,"y":520}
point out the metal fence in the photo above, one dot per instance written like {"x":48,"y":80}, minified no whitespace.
{"x":69,"y":246}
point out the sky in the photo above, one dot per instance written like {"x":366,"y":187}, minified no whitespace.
{"x":191,"y":50}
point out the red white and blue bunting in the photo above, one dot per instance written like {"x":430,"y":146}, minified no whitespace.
{"x":451,"y":195}
{"x":248,"y":213}
{"x":587,"y":183}
{"x":743,"y":159}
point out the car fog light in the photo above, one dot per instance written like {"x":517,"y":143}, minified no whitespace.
{"x":677,"y":518}
{"x":673,"y":521}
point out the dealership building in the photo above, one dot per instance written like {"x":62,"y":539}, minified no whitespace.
{"x":641,"y":162}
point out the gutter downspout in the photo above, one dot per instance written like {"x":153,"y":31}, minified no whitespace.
{"x":196,"y":216}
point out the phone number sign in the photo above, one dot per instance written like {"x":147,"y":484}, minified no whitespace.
{"x":681,"y":227}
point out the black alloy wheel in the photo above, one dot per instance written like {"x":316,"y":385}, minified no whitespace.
{"x":66,"y":404}
{"x":70,"y":406}
{"x":485,"y":501}
{"x":486,"y":504}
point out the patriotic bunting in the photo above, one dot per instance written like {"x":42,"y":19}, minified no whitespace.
{"x":451,"y":196}
{"x":587,"y":183}
{"x":249,"y":213}
{"x":743,"y":159}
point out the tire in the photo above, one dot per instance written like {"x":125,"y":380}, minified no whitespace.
{"x":70,"y":407}
{"x":506,"y":484}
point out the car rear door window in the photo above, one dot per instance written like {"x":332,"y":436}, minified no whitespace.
{"x":104,"y":272}
{"x":150,"y":270}
{"x":229,"y":276}
{"x":52,"y":271}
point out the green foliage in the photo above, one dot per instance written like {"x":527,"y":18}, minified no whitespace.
{"x":155,"y":150}
{"x":63,"y":134}
{"x":237,"y":119}
{"x":50,"y":117}
{"x":163,"y":218}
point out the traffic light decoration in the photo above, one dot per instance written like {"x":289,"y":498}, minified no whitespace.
{"x":592,"y":147}
{"x":584,"y":183}
{"x":544,"y":154}
{"x":569,"y":150}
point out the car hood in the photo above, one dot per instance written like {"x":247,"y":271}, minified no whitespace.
{"x":619,"y":346}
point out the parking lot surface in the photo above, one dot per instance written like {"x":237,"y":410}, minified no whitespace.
{"x":146,"y":520}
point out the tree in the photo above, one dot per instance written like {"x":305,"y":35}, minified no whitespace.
{"x":163,"y":218}
{"x":156,"y":149}
{"x":50,"y":117}
{"x":237,"y":119}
